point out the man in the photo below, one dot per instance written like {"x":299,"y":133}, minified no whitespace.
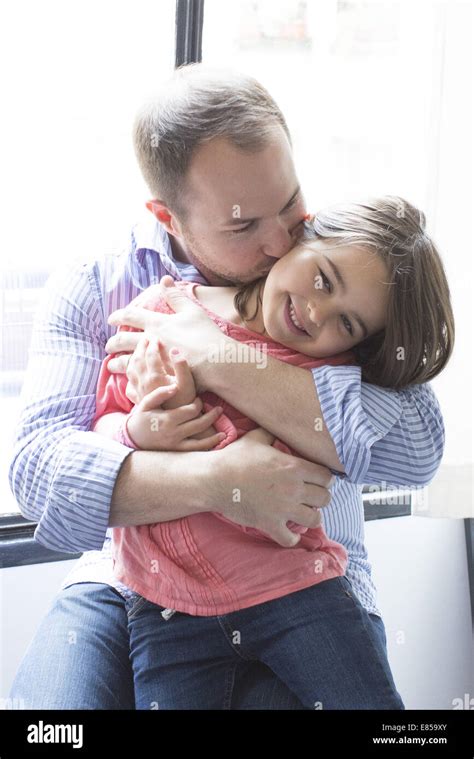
{"x":214,"y":149}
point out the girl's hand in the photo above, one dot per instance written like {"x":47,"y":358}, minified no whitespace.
{"x":167,"y":414}
{"x":151,"y":366}
{"x":153,"y":428}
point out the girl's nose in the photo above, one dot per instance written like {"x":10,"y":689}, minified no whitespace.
{"x":315,"y":314}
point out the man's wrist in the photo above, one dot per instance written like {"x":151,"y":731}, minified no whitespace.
{"x":209,"y":363}
{"x":207,"y":476}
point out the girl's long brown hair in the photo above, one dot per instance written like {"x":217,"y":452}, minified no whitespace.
{"x":418,"y":339}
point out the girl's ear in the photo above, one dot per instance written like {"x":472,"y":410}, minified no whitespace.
{"x":164,"y":216}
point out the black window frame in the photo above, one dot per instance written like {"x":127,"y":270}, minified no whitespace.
{"x":17,"y":544}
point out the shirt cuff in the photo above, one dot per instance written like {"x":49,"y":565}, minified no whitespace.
{"x":356,"y":414}
{"x":76,"y":513}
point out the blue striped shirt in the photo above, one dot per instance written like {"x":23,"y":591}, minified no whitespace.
{"x":63,"y":475}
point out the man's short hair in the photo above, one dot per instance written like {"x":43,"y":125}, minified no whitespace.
{"x":196,"y":105}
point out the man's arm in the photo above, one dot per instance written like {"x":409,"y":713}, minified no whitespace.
{"x":384,"y":437}
{"x":329,"y":415}
{"x":61,"y":474}
{"x":273,"y":488}
{"x":372,"y":434}
{"x":281,"y":397}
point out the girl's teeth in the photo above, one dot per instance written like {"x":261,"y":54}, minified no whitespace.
{"x":293,"y":317}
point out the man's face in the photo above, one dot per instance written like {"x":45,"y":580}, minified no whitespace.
{"x":243,"y":210}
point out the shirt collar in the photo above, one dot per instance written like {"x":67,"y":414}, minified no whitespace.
{"x":149,"y":235}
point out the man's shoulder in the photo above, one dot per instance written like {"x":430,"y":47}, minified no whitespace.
{"x":117,"y":263}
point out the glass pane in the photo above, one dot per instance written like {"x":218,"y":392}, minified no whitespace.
{"x":378,"y":98}
{"x":354,"y":80}
{"x":71,"y":187}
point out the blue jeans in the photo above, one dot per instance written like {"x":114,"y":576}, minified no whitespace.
{"x":320,"y":642}
{"x":79,"y":659}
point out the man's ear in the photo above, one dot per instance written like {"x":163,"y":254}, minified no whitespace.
{"x":164,"y":215}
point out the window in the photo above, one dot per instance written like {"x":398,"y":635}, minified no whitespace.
{"x":356,"y":81}
{"x":74,"y":78}
{"x":369,"y":90}
{"x":378,"y":97}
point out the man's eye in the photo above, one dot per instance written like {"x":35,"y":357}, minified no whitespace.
{"x":347,"y":324}
{"x":242,"y":229}
{"x":292,"y":203}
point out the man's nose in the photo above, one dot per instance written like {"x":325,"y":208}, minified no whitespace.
{"x":278,"y":241}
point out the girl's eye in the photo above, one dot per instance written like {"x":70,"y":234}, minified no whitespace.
{"x":243,"y":229}
{"x":347,"y":324}
{"x":324,"y":279}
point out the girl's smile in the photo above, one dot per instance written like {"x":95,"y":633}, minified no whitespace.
{"x":323,"y":299}
{"x":294,"y":323}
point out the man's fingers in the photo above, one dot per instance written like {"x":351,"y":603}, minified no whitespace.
{"x":131,"y":316}
{"x":119,"y":364}
{"x":318,"y":518}
{"x":176,"y":298}
{"x":317,"y":474}
{"x":180,"y":367}
{"x":166,"y":281}
{"x":165,"y":359}
{"x":123,"y":342}
{"x":315,"y":496}
{"x":285,"y":537}
{"x":306,"y":517}
{"x":132,"y":394}
{"x":142,"y":347}
{"x":261,"y":436}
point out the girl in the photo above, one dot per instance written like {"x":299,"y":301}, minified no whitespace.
{"x":364,"y":285}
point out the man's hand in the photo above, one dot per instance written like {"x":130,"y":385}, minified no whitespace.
{"x":191,"y":331}
{"x":273,"y":488}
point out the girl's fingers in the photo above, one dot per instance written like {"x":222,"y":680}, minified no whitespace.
{"x":156,"y":398}
{"x":186,"y":413}
{"x":196,"y":426}
{"x":181,"y":368}
{"x":203,"y":444}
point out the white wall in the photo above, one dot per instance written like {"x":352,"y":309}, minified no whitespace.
{"x":421,"y":574}
{"x":420,"y":570}
{"x":26,"y":594}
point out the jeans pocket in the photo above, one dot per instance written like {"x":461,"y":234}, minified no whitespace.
{"x":347,"y":588}
{"x":137,"y":603}
{"x":134,"y":605}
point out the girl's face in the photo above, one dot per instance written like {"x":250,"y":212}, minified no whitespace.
{"x":322,"y":300}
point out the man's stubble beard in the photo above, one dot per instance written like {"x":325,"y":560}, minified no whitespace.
{"x":218,"y":278}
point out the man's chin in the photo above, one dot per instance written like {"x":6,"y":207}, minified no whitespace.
{"x":234,"y":280}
